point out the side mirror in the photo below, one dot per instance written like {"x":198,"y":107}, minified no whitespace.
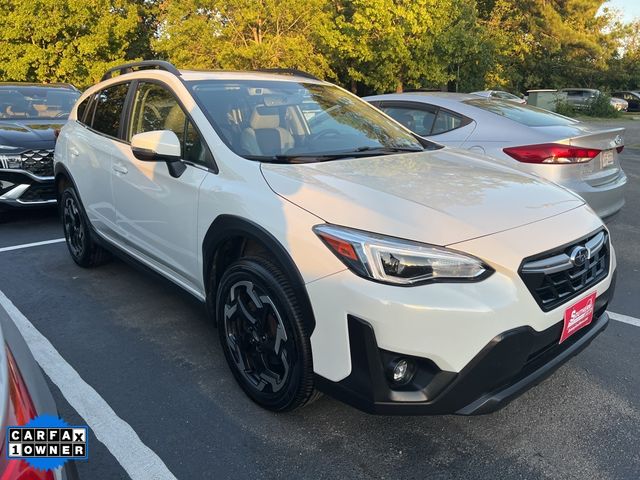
{"x":159,"y":146}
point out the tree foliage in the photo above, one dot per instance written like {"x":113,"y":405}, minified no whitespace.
{"x":70,"y":40}
{"x":550,"y":43}
{"x":388,"y":44}
{"x":366,"y":45}
{"x":243,"y":34}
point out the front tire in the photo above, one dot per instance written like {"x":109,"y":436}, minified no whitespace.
{"x":79,"y":237}
{"x":263,"y":335}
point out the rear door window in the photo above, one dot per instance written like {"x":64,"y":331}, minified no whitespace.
{"x":109,"y":105}
{"x":425,"y":119}
{"x":418,"y":120}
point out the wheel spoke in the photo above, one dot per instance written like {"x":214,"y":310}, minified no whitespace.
{"x":73,"y":227}
{"x":256,"y":337}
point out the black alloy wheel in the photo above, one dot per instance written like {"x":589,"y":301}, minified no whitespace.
{"x":263,"y":335}
{"x":84,"y":251}
{"x":74,"y":230}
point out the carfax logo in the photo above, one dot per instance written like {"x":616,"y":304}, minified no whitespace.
{"x":47,"y":442}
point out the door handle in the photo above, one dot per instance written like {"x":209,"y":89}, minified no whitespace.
{"x":73,"y":151}
{"x":119,"y":168}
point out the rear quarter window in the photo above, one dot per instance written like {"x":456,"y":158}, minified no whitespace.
{"x":523,"y":114}
{"x":82,"y":108}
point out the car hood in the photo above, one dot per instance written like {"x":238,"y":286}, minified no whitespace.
{"x":29,"y":133}
{"x":440,"y":197}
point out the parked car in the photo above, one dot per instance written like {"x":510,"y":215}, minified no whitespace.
{"x":337,"y":251}
{"x":30,"y":114}
{"x":619,"y":104}
{"x":632,"y":99}
{"x":579,"y":98}
{"x":24,"y":395}
{"x":573,"y":154}
{"x":502,"y":95}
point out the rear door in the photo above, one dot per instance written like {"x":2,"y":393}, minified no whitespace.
{"x":430,"y":121}
{"x":91,"y":149}
{"x":157,"y":212}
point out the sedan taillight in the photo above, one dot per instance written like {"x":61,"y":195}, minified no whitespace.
{"x":19,"y":411}
{"x":553,"y":153}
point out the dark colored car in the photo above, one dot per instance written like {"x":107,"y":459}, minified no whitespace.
{"x":24,"y":395}
{"x":30,"y":114}
{"x":632,"y":98}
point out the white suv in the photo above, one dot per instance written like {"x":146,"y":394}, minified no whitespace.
{"x":336,"y":251}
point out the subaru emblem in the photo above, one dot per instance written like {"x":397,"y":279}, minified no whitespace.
{"x":579,"y":256}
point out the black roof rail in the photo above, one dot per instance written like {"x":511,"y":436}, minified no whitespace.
{"x":288,"y":71}
{"x":142,"y":65}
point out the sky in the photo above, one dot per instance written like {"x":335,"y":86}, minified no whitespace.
{"x":630,"y":8}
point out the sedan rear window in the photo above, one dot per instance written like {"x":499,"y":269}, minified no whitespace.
{"x":524,"y":114}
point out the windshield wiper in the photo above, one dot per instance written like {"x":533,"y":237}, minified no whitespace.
{"x":325,"y":157}
{"x":386,"y":149}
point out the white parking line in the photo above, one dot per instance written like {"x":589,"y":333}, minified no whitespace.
{"x":138,"y":460}
{"x":624,"y":318}
{"x":29,"y":245}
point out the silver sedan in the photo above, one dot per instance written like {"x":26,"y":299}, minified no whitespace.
{"x":573,"y":154}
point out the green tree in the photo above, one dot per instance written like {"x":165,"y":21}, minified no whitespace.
{"x":388,"y":44}
{"x":550,"y":43}
{"x":467,"y":47}
{"x":70,"y":40}
{"x":243,"y":34}
{"x":623,"y":69}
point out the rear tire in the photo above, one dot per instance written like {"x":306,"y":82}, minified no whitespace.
{"x":77,"y":233}
{"x":263,"y":335}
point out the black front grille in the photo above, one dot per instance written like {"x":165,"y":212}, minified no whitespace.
{"x":554,"y":285}
{"x":38,"y":162}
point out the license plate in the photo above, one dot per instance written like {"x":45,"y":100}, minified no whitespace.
{"x":578,"y":316}
{"x":607,"y":158}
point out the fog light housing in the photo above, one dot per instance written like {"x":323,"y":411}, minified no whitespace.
{"x":401,"y":371}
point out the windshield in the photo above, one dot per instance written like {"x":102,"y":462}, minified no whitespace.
{"x":36,"y":103}
{"x":290,"y":121}
{"x":524,"y":114}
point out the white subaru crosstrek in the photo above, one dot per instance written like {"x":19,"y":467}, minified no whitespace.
{"x":336,"y":251}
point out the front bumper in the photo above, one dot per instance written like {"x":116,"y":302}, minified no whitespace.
{"x":20,"y":189}
{"x":507,"y":366}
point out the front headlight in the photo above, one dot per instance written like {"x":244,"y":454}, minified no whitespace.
{"x":399,"y":262}
{"x":10,"y":161}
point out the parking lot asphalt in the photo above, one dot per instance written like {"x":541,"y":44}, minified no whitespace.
{"x":150,"y":352}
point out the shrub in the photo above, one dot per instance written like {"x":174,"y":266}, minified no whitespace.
{"x":601,"y":106}
{"x":564,"y":108}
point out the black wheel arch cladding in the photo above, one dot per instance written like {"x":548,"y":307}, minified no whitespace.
{"x":226,"y":227}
